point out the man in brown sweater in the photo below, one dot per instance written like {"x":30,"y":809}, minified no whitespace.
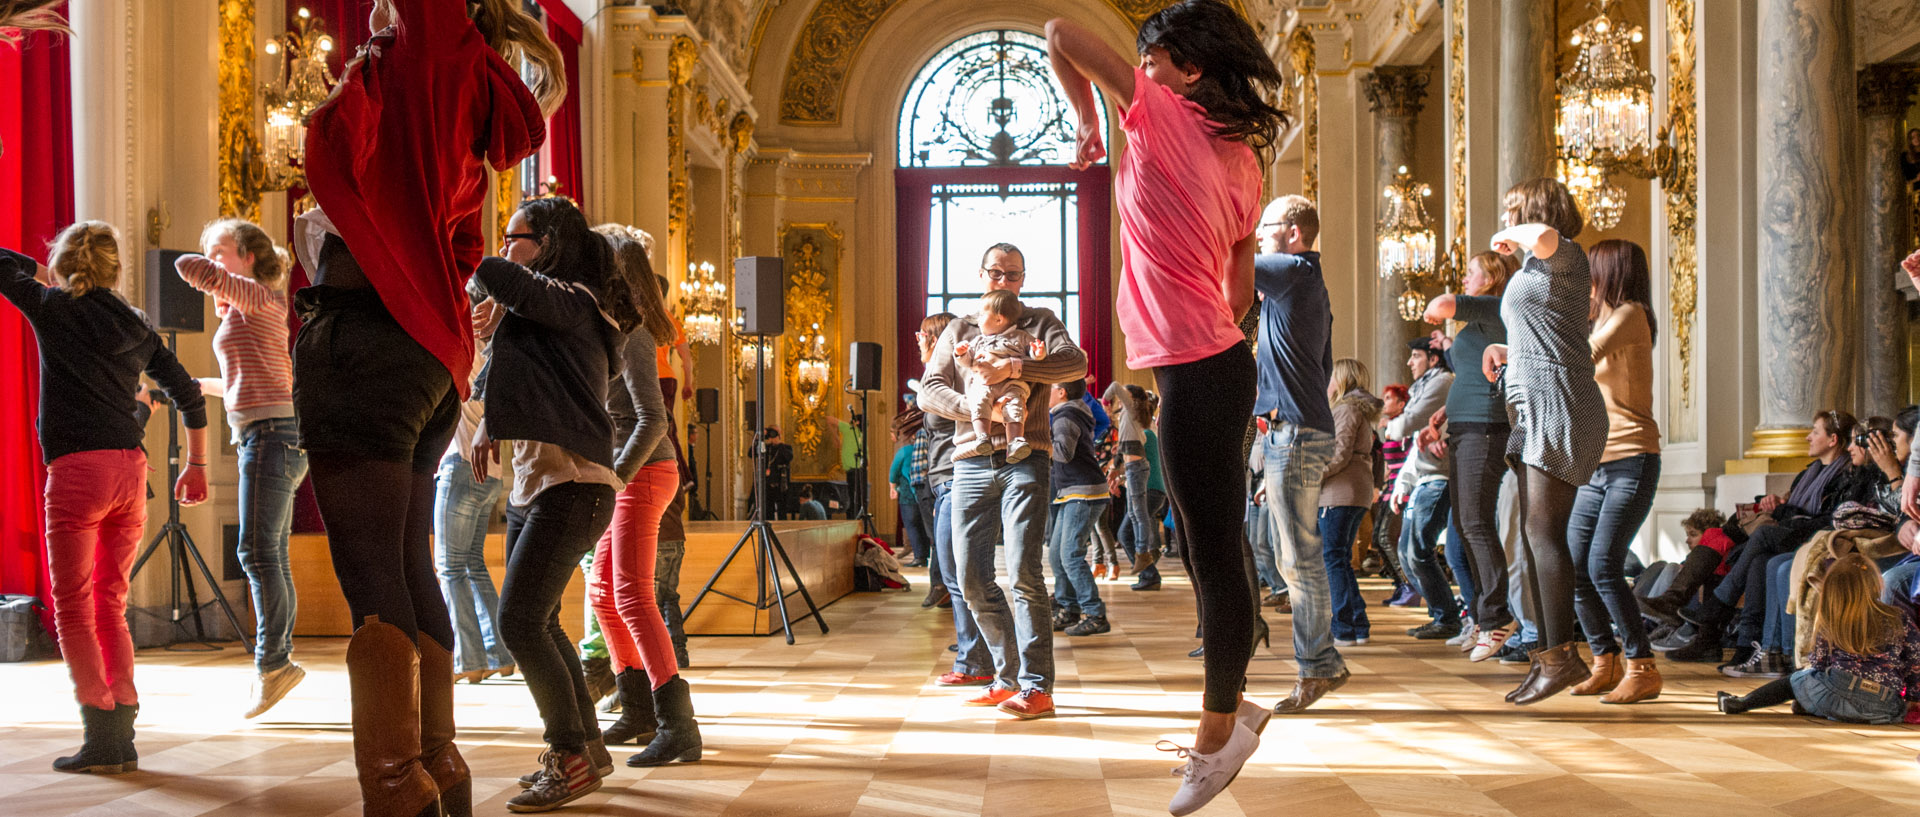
{"x":993,"y":498}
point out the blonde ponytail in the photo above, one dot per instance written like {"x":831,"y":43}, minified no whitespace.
{"x":86,"y":256}
{"x":516,"y":35}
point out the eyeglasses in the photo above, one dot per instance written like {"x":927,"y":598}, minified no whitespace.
{"x":520,"y":237}
{"x":1281,"y":224}
{"x":1004,"y":276}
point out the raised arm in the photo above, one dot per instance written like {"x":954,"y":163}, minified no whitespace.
{"x":1079,"y":58}
{"x":244,"y":293}
{"x":22,"y":281}
{"x":536,"y":297}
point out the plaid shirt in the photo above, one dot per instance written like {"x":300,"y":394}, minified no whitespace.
{"x":917,"y":472}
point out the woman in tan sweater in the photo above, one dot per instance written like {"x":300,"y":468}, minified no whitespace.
{"x":1609,"y":510}
{"x":1345,"y":494}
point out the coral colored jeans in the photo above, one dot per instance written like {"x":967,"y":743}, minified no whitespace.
{"x":96,"y":511}
{"x":622,"y":591}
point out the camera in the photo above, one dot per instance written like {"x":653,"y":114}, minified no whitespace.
{"x":1864,"y":438}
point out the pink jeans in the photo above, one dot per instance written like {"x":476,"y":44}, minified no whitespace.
{"x":96,"y":512}
{"x":622,"y":590}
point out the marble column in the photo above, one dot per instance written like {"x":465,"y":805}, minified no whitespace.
{"x":1526,"y":90}
{"x":1808,"y":218}
{"x":1395,"y":95}
{"x":1885,"y":232}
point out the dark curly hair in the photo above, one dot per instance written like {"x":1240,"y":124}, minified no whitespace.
{"x":1236,"y":74}
{"x":572,"y":251}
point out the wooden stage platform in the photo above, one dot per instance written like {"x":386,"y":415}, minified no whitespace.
{"x":821,"y":551}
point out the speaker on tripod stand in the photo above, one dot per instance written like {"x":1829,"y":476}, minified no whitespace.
{"x":174,"y":307}
{"x":863,"y":377}
{"x":706,"y":403}
{"x":759,"y":289}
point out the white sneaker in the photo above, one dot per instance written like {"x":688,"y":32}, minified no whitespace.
{"x":1204,"y":776}
{"x":268,"y":689}
{"x":1490,"y":642}
{"x":1349,"y":642}
{"x":1467,"y":638}
{"x":1253,"y":716}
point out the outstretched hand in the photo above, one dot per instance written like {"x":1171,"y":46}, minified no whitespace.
{"x":1089,"y":146}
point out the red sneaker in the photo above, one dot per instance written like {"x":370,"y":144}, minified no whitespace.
{"x":993,"y":696}
{"x":961,"y":679}
{"x":1029,"y":705}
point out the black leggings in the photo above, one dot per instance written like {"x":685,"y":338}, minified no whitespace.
{"x":1204,"y":406}
{"x":1475,"y":468}
{"x":1772,"y":693}
{"x":379,"y":514}
{"x":545,"y":542}
{"x":1546,"y":503}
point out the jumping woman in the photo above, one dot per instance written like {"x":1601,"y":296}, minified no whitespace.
{"x":1196,"y":118}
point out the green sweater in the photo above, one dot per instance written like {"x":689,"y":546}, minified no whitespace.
{"x":1154,"y":482}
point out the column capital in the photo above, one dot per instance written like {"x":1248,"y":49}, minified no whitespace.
{"x":1885,"y":89}
{"x":1396,"y":90}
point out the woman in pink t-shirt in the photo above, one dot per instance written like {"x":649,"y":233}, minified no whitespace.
{"x":1189,"y":198}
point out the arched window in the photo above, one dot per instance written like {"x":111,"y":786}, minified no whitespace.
{"x":988,"y":100}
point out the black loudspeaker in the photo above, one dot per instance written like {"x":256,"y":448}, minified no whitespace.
{"x":747,"y":416}
{"x":706,"y":403}
{"x":863,"y":366}
{"x":759,"y":292}
{"x":172,"y":304}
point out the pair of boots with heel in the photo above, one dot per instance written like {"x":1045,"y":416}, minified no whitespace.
{"x":1559,"y":668}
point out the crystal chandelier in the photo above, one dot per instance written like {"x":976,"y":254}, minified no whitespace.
{"x":1606,"y":100}
{"x":746,"y":352}
{"x":299,"y":86}
{"x":1601,"y":201}
{"x":812,"y":371}
{"x":1406,"y":237}
{"x":704,"y":298}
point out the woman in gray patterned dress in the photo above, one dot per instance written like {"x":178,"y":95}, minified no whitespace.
{"x":1559,"y":417}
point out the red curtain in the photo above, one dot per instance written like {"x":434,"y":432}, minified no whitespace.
{"x":561,"y":155}
{"x":36,"y":200}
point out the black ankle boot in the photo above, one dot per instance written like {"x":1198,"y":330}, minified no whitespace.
{"x":1694,"y":571}
{"x":100,"y":750}
{"x":123,"y":722}
{"x":677,"y":737}
{"x":636,"y":723}
{"x":1703,"y":648}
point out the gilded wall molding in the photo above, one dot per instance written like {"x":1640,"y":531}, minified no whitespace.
{"x":1677,"y":177}
{"x":813,"y":253}
{"x":813,"y":89}
{"x":236,"y":109}
{"x":1300,"y":55}
{"x":682,"y":57}
{"x":1457,"y":147}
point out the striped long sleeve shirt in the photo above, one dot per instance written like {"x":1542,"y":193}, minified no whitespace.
{"x":251,"y":343}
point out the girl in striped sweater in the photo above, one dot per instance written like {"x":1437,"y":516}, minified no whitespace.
{"x":246,"y":275}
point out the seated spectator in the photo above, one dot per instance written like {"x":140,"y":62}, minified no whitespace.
{"x":810,"y":508}
{"x":1707,"y":549}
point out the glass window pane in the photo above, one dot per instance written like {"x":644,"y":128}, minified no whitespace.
{"x":989,"y":99}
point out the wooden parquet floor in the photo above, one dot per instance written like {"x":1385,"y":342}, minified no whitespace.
{"x":850,"y":724}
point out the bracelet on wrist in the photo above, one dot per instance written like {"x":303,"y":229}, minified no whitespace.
{"x":192,"y":464}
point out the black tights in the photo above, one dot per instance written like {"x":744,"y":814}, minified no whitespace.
{"x":380,"y":514}
{"x":1773,"y":693}
{"x":1204,"y":406}
{"x":1546,"y":503}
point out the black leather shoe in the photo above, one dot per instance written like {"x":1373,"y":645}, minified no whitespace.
{"x":1143,"y":584}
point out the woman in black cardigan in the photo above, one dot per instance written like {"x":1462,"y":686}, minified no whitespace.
{"x":546,"y":389}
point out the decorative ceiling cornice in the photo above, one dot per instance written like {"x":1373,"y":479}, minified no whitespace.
{"x":814,"y":87}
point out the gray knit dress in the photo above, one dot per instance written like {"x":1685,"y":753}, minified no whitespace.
{"x":1559,"y":418}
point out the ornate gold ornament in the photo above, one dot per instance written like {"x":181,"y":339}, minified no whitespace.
{"x":504,"y":201}
{"x":1300,"y":55}
{"x":1457,"y":116}
{"x":835,"y":31}
{"x":682,"y":58}
{"x":236,"y":110}
{"x":1407,"y":16}
{"x":1676,"y":163}
{"x":812,"y":253}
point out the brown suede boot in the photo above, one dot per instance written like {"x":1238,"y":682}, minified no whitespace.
{"x":383,"y":674}
{"x":1643,"y":683}
{"x":438,"y":755}
{"x":1606,"y":675}
{"x":1560,"y":667}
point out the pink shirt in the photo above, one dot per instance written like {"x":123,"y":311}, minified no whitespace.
{"x":1185,"y":197}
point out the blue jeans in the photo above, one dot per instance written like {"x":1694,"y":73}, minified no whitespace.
{"x":1149,"y":531}
{"x":1459,"y":561}
{"x":994,"y":502}
{"x":1839,"y":695}
{"x":919,"y":539}
{"x":1776,"y":633}
{"x":545,"y":542}
{"x":1145,"y":525}
{"x":1338,"y":526}
{"x":1069,"y":527}
{"x":1260,"y":537}
{"x":1425,"y":516}
{"x":1520,"y":601}
{"x":272,"y":464}
{"x":460,"y":511}
{"x":1607,"y":514}
{"x":971,"y":658}
{"x":1297,"y":460}
{"x":1899,"y":583}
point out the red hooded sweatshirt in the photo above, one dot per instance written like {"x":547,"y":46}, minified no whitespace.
{"x":396,"y":161}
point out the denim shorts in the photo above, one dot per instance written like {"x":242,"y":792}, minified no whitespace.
{"x":365,"y":388}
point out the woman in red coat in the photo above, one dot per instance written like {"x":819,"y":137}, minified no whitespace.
{"x":397,"y":160}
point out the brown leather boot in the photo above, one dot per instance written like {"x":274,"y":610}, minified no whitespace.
{"x":383,"y":672}
{"x":1606,"y":675}
{"x":438,"y":755}
{"x":1560,"y":667}
{"x":1533,"y":671}
{"x":1643,"y":683}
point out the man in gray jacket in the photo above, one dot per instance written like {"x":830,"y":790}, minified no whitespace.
{"x":994,"y":500}
{"x":1422,"y":489}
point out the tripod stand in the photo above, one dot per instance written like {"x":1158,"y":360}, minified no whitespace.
{"x":766,"y":545}
{"x":862,"y":491}
{"x":705,"y":512}
{"x":180,"y":545}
